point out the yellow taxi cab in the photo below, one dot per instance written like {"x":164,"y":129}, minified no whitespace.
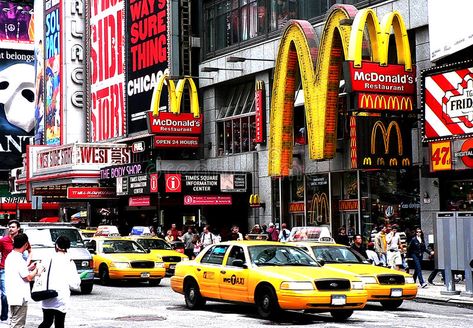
{"x":119,"y":258}
{"x":161,"y":250}
{"x":388,"y":286}
{"x":272,"y":275}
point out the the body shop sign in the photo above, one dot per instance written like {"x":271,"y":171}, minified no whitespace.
{"x":170,"y":123}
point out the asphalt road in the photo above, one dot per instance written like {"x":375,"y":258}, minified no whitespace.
{"x":138,"y":305}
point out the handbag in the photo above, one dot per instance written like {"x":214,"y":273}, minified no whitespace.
{"x":43,"y":294}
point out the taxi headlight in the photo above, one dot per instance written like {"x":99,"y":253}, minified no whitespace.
{"x":357,"y":285}
{"x":121,"y":265}
{"x":159,"y":264}
{"x":409,"y":280}
{"x":296,"y":285}
{"x":368,"y":280}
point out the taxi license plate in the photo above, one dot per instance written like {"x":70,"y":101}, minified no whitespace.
{"x":339,"y":299}
{"x":145,"y":275}
{"x":172,"y":266}
{"x":396,"y":292}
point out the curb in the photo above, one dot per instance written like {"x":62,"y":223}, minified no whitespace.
{"x":445,"y":301}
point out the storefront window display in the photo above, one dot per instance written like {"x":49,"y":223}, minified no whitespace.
{"x":318,"y":210}
{"x":456,"y":195}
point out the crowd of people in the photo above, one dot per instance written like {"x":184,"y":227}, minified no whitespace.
{"x":17,"y":270}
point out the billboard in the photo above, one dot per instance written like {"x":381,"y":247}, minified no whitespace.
{"x":378,"y":142}
{"x":448,"y":101}
{"x":147,"y":51}
{"x":39,"y":73}
{"x":107,"y":87}
{"x":16,"y":105}
{"x":17,"y":22}
{"x":320,"y":71}
{"x":53,"y":76}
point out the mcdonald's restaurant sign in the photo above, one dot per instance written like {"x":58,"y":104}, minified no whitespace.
{"x":378,"y":142}
{"x":382,"y":102}
{"x":298,"y":52}
{"x":175,"y":122}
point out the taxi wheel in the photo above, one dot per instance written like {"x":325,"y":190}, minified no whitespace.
{"x":154,"y":282}
{"x":391,"y":305}
{"x":341,"y":315}
{"x":267,"y":303}
{"x":194,"y":299}
{"x":104,"y":276}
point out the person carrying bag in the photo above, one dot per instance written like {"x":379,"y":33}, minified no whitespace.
{"x":39,"y":292}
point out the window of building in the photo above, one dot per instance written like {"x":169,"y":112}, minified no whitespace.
{"x":236,"y":126}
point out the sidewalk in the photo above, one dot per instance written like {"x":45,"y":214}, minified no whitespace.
{"x":432,"y":293}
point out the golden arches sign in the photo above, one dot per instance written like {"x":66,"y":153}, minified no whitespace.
{"x":175,"y":95}
{"x":320,"y":71}
{"x":386,"y":135}
{"x":319,"y":208}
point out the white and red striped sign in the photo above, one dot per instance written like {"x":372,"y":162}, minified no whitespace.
{"x":448,"y":100}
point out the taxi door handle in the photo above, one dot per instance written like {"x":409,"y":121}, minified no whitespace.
{"x":198,"y":269}
{"x":223,"y":272}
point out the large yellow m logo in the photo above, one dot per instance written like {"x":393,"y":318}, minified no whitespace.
{"x":320,"y":70}
{"x":175,"y":95}
{"x":386,"y":135}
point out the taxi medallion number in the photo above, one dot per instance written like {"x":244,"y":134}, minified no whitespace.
{"x":339,"y":299}
{"x":396,"y":292}
{"x":145,"y":275}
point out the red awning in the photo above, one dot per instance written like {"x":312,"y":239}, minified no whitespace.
{"x":50,"y":219}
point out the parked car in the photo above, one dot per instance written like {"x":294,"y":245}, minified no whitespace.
{"x":274,"y":276}
{"x":119,"y":258}
{"x":162,"y":250}
{"x":388,"y":286}
{"x":42,"y":237}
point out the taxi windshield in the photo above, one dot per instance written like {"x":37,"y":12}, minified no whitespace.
{"x":336,"y":254}
{"x":276,"y":255}
{"x":121,"y":246}
{"x":153,"y":244}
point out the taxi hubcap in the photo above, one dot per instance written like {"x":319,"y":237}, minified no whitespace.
{"x":266,"y":302}
{"x":192,"y":293}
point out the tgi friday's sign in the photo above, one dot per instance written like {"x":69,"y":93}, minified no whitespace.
{"x":77,"y":156}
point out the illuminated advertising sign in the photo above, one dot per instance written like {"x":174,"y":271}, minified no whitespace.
{"x":90,"y":193}
{"x":233,"y":182}
{"x":39,"y":69}
{"x":372,"y":77}
{"x":320,"y":71}
{"x":16,"y":20}
{"x":379,"y":142}
{"x":175,"y":142}
{"x":79,"y":156}
{"x":53,"y":76}
{"x":448,"y":102}
{"x":463,"y":154}
{"x":147,"y":51}
{"x":113,"y":172}
{"x":73,"y":72}
{"x":139,"y":201}
{"x":207,"y":200}
{"x":107,"y":110}
{"x":383,"y":102}
{"x":169,"y":123}
{"x":348,"y":205}
{"x":260,"y":111}
{"x":440,"y":156}
{"x":17,"y":110}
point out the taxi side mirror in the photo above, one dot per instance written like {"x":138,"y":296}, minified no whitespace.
{"x":239,"y":263}
{"x":321,"y":261}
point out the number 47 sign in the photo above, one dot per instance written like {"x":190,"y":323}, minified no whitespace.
{"x":441,"y":156}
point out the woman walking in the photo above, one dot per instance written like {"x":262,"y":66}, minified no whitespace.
{"x":416,"y":250}
{"x":63,"y":276}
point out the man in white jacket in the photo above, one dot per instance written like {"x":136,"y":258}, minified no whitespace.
{"x":62,"y":277}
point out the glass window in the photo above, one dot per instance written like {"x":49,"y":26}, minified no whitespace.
{"x":236,"y":253}
{"x":215,"y":255}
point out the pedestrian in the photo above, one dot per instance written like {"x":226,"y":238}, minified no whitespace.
{"x":207,"y":238}
{"x":372,"y":255}
{"x":188,"y":245}
{"x":380,"y":244}
{"x":273,"y":232}
{"x":174,"y":231}
{"x":236,"y":234}
{"x":393,"y":246}
{"x":342,"y":237}
{"x":6,"y":246}
{"x":416,"y":250}
{"x":285,"y":233}
{"x":197,"y":245}
{"x":17,"y":280}
{"x":169,"y":236}
{"x":62,"y":277}
{"x":359,"y":246}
